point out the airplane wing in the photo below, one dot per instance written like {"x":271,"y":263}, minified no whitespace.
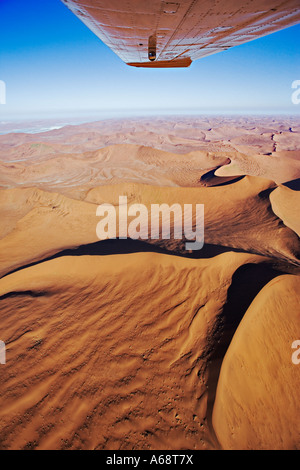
{"x":156,"y":33}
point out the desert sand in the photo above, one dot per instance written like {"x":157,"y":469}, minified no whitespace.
{"x":258,"y":364}
{"x":130,"y":344}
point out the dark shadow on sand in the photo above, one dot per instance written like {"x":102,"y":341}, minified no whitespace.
{"x":293,"y":184}
{"x":126,"y":246}
{"x":247,"y":282}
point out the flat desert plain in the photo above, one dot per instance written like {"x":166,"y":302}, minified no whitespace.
{"x":139,"y":344}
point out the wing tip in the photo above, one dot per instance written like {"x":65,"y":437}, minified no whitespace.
{"x":183,"y":62}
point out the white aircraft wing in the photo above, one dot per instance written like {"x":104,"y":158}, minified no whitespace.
{"x":155,"y":33}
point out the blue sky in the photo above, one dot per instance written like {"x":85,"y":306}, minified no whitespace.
{"x":53,"y":64}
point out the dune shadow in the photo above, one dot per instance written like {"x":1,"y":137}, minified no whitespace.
{"x":28,"y":293}
{"x":126,"y":246}
{"x":247,"y":282}
{"x":293,"y":184}
{"x":210,"y":179}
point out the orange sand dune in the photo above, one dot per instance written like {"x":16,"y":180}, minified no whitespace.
{"x":71,"y":173}
{"x":111,"y":352}
{"x":87,"y":155}
{"x":236,"y":216}
{"x":280,"y":169}
{"x":258,"y":391}
{"x":285,"y":204}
